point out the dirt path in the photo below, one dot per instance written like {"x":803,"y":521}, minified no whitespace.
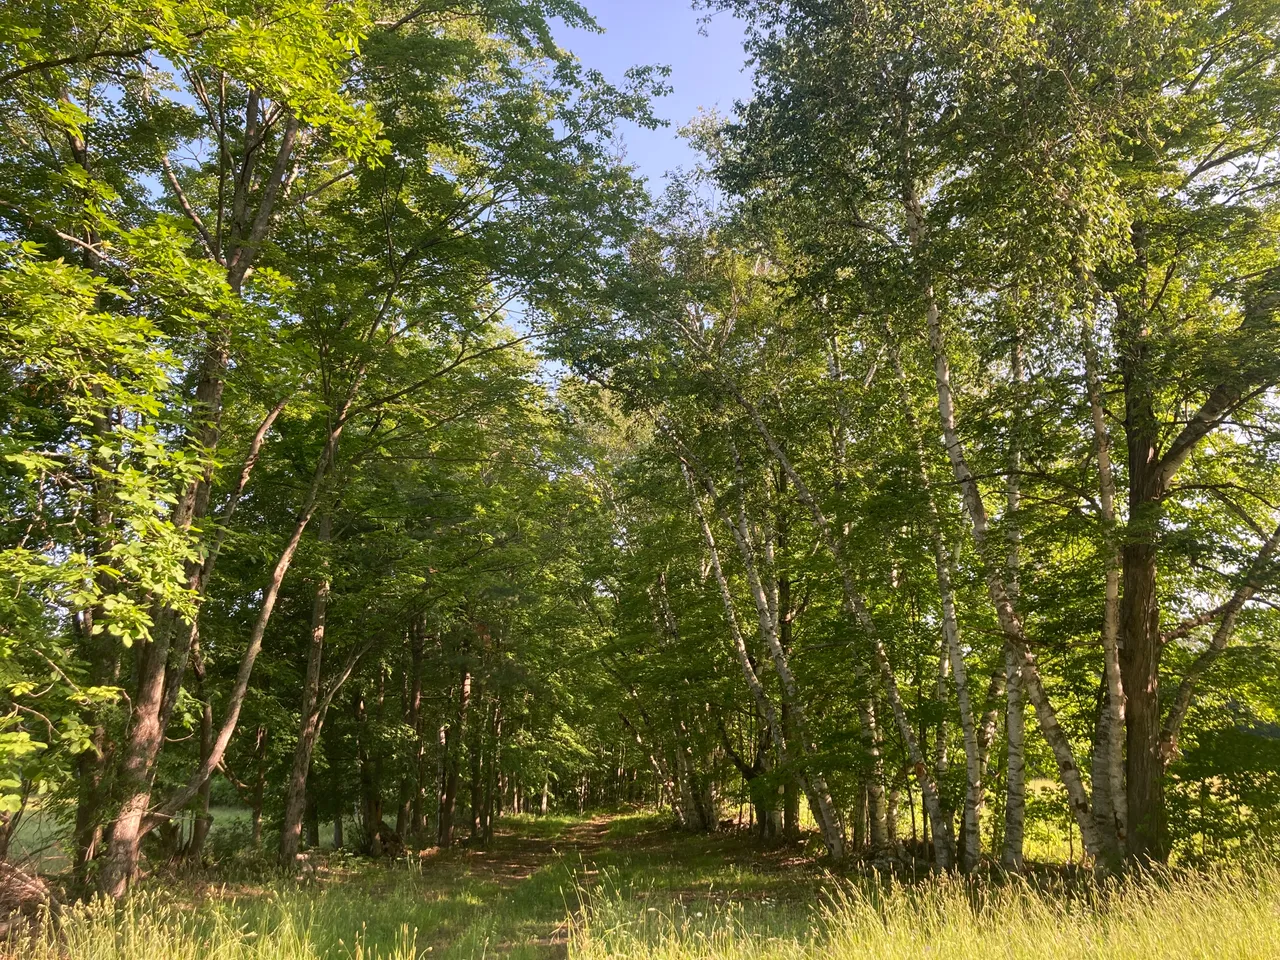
{"x":519,"y":894}
{"x":515,"y":856}
{"x":509,"y":882}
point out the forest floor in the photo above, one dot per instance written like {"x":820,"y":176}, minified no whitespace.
{"x":625,"y":885}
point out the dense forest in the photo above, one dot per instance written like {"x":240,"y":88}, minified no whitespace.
{"x":381,"y":456}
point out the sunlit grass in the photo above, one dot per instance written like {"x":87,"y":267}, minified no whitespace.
{"x":392,"y":915}
{"x":635,"y":823}
{"x":1231,"y":914}
{"x":293,"y":926}
{"x":632,"y":888}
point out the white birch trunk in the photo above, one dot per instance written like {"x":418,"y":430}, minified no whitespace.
{"x":1015,"y":793}
{"x":856,"y":608}
{"x":817,"y":792}
{"x":1010,"y":623}
{"x":1108,"y":769}
{"x":971,"y":818}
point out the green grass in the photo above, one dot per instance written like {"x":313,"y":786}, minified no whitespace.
{"x":627,"y":886}
{"x":445,"y":910}
{"x":1230,"y":915}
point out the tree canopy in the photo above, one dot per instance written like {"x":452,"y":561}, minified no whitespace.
{"x":377,"y":447}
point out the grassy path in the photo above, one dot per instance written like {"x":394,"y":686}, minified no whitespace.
{"x":511,"y":899}
{"x":537,"y":873}
{"x":651,"y":893}
{"x":525,"y":860}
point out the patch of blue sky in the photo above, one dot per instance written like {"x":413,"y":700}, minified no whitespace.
{"x":708,"y":74}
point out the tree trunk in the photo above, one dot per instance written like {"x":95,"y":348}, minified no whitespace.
{"x":311,"y":716}
{"x":140,"y":751}
{"x":1218,"y":643}
{"x":88,"y":828}
{"x":1141,"y":647}
{"x":148,"y":718}
{"x":1140,"y":674}
{"x":194,"y":852}
{"x":452,"y":760}
{"x":418,"y":829}
{"x":793,"y":730}
{"x":859,"y":824}
{"x":259,"y":785}
{"x":856,"y":608}
{"x":442,"y":772}
{"x":312,"y":818}
{"x":91,"y":765}
{"x":370,"y":792}
{"x":953,"y":650}
{"x":491,"y":780}
{"x":1015,"y":804}
{"x":475,"y":754}
{"x":971,"y":497}
{"x":1110,"y":802}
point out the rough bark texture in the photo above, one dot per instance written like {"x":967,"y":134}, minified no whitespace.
{"x":1141,"y":647}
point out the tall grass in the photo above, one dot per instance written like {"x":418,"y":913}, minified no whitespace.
{"x":150,"y":926}
{"x":1232,"y":914}
{"x":644,"y":892}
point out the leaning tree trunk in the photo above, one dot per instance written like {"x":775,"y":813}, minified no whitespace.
{"x":1217,"y":644}
{"x":796,"y":732}
{"x":869,"y":730}
{"x":856,"y":609}
{"x":149,"y":712}
{"x":997,"y":589}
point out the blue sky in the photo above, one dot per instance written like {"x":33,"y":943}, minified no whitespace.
{"x":706,"y":68}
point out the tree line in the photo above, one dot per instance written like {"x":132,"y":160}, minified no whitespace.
{"x":379,"y":449}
